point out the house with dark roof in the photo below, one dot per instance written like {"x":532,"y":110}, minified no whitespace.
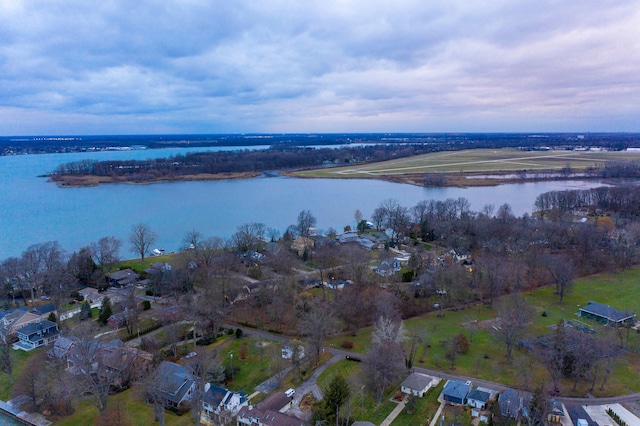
{"x":175,"y":384}
{"x":478,"y":398}
{"x":119,"y":320}
{"x":37,"y":334}
{"x":45,"y":310}
{"x":253,"y":416}
{"x":417,"y":384}
{"x":122,"y":278}
{"x":605,"y":314}
{"x":455,"y":392}
{"x":220,"y":404}
{"x":122,"y":365}
{"x":62,"y":347}
{"x":510,"y":403}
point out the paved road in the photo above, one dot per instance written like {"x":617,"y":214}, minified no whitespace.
{"x":628,"y":398}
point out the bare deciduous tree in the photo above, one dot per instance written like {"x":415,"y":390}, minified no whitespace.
{"x":382,"y":365}
{"x":514,"y":313}
{"x":106,"y":252}
{"x":141,"y":239}
{"x":316,"y":324}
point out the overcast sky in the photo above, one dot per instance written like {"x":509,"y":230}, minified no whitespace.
{"x":205,"y":66}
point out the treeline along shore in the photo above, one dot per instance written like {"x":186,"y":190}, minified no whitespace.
{"x":225,"y":164}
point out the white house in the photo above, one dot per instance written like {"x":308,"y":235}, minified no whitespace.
{"x":417,"y":384}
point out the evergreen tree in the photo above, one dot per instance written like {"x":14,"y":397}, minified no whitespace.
{"x":105,"y":311}
{"x":85,"y":311}
{"x":336,"y":394}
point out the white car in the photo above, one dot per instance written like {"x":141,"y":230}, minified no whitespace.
{"x":190,"y":355}
{"x":290,"y":393}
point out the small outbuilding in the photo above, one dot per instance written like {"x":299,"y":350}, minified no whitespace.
{"x":605,"y":314}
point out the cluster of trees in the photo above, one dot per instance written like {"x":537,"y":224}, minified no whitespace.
{"x":47,"y":269}
{"x":240,"y":161}
{"x":623,"y":201}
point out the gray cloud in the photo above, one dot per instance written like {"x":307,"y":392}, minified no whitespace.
{"x":212,"y":66}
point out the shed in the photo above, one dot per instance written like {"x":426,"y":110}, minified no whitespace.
{"x":604,"y":313}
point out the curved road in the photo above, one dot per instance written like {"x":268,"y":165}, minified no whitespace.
{"x":628,"y":398}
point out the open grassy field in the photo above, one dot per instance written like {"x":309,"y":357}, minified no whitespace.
{"x":486,"y":357}
{"x":473,"y":160}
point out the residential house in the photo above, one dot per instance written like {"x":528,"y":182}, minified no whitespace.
{"x":44,"y":311}
{"x":115,"y":361}
{"x":37,"y":334}
{"x":253,"y":416}
{"x":123,"y":365}
{"x":175,"y":384}
{"x":90,"y":294}
{"x":605,"y":314}
{"x":268,"y":413}
{"x":510,"y":403}
{"x":119,"y":320}
{"x":455,"y":392}
{"x":220,"y":404}
{"x":478,"y":398}
{"x":62,"y":347}
{"x":302,"y":244}
{"x":14,"y":320}
{"x":122,"y":278}
{"x":417,"y":384}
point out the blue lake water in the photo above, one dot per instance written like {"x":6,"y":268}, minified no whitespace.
{"x":33,"y":210}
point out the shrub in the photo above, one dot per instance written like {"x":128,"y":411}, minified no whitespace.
{"x":544,"y":313}
{"x":146,"y":305}
{"x":230,"y":331}
{"x":238,"y":333}
{"x":254,"y":272}
{"x":347,"y":344}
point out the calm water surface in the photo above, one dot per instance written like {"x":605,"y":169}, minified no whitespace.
{"x":33,"y":210}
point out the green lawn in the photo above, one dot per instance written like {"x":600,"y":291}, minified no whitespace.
{"x":254,"y":369}
{"x":486,"y":357}
{"x":426,"y":408}
{"x":133,"y":408}
{"x":18,"y":358}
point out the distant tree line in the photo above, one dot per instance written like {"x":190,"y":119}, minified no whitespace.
{"x":622,"y":200}
{"x":240,"y":161}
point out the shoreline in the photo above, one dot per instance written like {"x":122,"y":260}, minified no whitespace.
{"x":90,"y":180}
{"x":458,"y":180}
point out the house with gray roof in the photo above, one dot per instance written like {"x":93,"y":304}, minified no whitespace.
{"x":478,"y":398}
{"x":37,"y":334}
{"x":220,"y":404}
{"x":604,"y":313}
{"x":122,"y":278}
{"x":175,"y":384}
{"x":510,"y":403}
{"x":62,"y":347}
{"x":417,"y":384}
{"x":455,"y":392}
